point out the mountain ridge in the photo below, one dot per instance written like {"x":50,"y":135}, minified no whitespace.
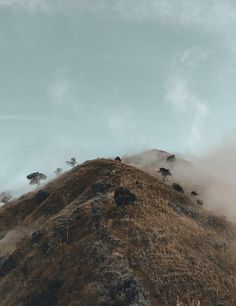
{"x":77,"y":246}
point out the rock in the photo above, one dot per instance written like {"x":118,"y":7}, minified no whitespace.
{"x":118,"y":159}
{"x":171,"y":158}
{"x":123,"y":196}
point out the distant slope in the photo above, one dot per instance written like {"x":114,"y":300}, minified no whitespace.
{"x":151,"y":160}
{"x":72,"y":245}
{"x":216,"y":191}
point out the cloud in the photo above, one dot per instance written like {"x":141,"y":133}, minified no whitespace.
{"x":190,"y":109}
{"x":63,"y":91}
{"x":207,"y":14}
{"x":23,"y":118}
{"x":59,"y":89}
{"x":192,"y":56}
{"x":210,"y":14}
{"x":30,"y":5}
{"x":212,"y":174}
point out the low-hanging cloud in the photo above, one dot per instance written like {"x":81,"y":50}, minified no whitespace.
{"x":207,"y":14}
{"x":213,"y":175}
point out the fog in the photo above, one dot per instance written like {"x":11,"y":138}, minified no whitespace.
{"x":211,"y":174}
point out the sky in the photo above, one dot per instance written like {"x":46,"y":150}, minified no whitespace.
{"x":90,"y":78}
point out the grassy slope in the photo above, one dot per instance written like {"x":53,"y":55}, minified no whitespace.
{"x":86,"y":251}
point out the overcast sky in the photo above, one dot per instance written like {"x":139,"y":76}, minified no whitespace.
{"x":90,"y":78}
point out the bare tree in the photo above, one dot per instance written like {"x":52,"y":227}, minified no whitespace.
{"x":35,"y":178}
{"x":72,"y":162}
{"x":5,"y":197}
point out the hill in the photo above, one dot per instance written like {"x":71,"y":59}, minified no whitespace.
{"x":151,"y":160}
{"x":107,"y":233}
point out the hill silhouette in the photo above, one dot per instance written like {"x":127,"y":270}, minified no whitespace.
{"x":107,"y":233}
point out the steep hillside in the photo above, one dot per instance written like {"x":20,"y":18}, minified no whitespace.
{"x":107,"y":233}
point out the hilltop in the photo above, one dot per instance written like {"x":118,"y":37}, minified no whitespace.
{"x":151,"y":160}
{"x":108,"y":233}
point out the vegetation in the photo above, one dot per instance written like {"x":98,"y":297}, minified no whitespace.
{"x":36,"y":178}
{"x":72,"y":162}
{"x":96,"y":248}
{"x":194,"y":194}
{"x":177,"y":187}
{"x":5,"y":197}
{"x":165,"y":173}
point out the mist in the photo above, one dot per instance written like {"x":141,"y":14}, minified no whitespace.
{"x":211,"y":174}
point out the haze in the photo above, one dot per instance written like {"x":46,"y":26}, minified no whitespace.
{"x":84,"y":79}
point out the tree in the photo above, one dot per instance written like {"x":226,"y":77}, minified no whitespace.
{"x":35,"y":178}
{"x":5,"y":197}
{"x":164,"y":172}
{"x":177,"y":187}
{"x":58,"y":171}
{"x":194,"y":194}
{"x":72,"y":162}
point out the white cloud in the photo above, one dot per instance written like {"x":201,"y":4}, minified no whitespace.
{"x":59,"y":89}
{"x":177,"y":93}
{"x":192,"y":56}
{"x":30,"y":5}
{"x":217,"y":16}
{"x":63,"y":91}
{"x":210,"y":14}
{"x":23,"y":118}
{"x":190,"y":109}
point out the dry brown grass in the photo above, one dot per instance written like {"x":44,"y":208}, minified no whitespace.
{"x":179,"y":259}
